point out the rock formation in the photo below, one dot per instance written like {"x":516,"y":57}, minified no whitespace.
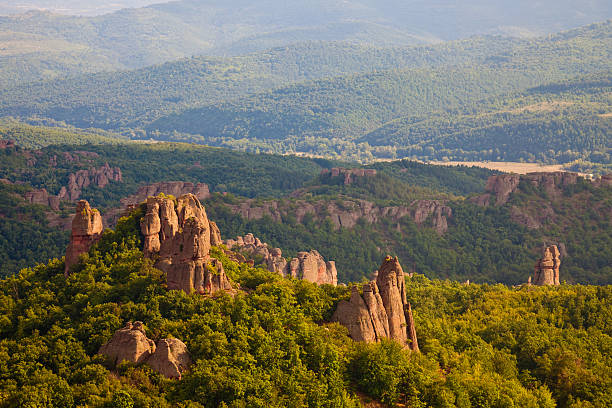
{"x":86,"y":230}
{"x":83,"y":178}
{"x":42,"y":197}
{"x":179,"y":237}
{"x":347,"y":213}
{"x":129,"y":344}
{"x":348,"y":174}
{"x":410,"y":328}
{"x":7,"y":144}
{"x":171,"y":358}
{"x":502,"y":186}
{"x":174,"y":188}
{"x":547,"y":268}
{"x":437,"y":209}
{"x":390,"y":281}
{"x":168,"y":357}
{"x":382,"y":311}
{"x":309,"y":266}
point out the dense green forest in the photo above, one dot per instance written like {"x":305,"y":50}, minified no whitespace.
{"x":25,"y":235}
{"x":270,"y":345}
{"x":462,"y":100}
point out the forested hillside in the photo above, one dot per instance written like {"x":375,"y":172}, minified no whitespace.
{"x":44,"y":45}
{"x":271,"y":343}
{"x":483,"y":244}
{"x":459,"y":100}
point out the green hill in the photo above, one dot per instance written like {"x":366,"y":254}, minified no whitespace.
{"x":134,"y":38}
{"x":271,"y":343}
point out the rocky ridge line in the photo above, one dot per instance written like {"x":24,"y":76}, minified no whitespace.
{"x":309,"y":266}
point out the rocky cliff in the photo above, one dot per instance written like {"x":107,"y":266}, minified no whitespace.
{"x":502,"y":186}
{"x":179,"y":237}
{"x":347,"y":213}
{"x":84,"y":178}
{"x":86,"y":230}
{"x":174,"y":188}
{"x":309,"y":266}
{"x":100,"y":177}
{"x":382,"y":310}
{"x":348,"y":174}
{"x":168,"y":357}
{"x":546,"y":271}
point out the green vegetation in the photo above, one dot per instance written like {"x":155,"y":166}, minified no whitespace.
{"x":481,"y":244}
{"x":33,"y":137}
{"x":25,"y":236}
{"x":271,"y":346}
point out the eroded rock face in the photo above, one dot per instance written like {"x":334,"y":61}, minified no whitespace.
{"x":129,"y":344}
{"x":42,"y":197}
{"x":309,"y":266}
{"x":179,"y":237}
{"x":171,"y":358}
{"x":168,"y":357}
{"x":348,"y":174}
{"x":502,"y":186}
{"x":86,"y":230}
{"x":83,"y":178}
{"x":390,"y":281}
{"x":174,"y":188}
{"x":382,"y":311}
{"x":546,"y":271}
{"x":440,"y":213}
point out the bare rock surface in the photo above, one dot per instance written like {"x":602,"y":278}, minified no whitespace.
{"x":347,"y":213}
{"x":310,"y":266}
{"x":179,"y":237}
{"x":382,"y":311}
{"x":168,"y":357}
{"x":86,"y":230}
{"x":546,"y":271}
{"x":171,"y":358}
{"x":129,"y":344}
{"x":174,"y":188}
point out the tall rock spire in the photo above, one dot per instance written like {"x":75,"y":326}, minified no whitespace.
{"x":86,"y":230}
{"x":382,"y":311}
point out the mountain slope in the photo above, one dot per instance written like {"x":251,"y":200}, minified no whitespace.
{"x":134,"y":38}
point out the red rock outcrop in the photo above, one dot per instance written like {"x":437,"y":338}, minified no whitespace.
{"x":7,"y":144}
{"x":171,"y":358}
{"x":547,"y":268}
{"x":179,"y":237}
{"x":390,"y":282}
{"x":129,"y":344}
{"x":410,"y":328}
{"x":174,"y":188}
{"x":347,"y":213}
{"x":42,"y":197}
{"x":348,"y":174}
{"x":502,"y":186}
{"x":423,"y":209}
{"x":86,"y":230}
{"x":309,"y":266}
{"x":168,"y":357}
{"x":382,"y":311}
{"x":83,"y":178}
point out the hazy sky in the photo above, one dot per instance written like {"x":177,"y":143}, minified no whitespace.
{"x":80,"y":7}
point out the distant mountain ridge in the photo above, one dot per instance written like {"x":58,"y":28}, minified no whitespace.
{"x":134,"y":38}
